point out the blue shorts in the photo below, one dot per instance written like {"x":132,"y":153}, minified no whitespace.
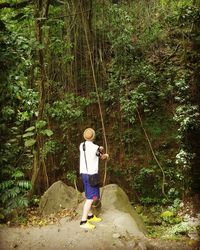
{"x":91,"y":193}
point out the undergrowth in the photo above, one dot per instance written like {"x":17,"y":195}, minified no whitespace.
{"x":172,"y":222}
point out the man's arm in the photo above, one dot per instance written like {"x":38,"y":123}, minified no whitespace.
{"x":100,"y":153}
{"x":104,"y":156}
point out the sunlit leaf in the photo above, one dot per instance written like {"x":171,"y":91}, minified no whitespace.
{"x":47,"y":132}
{"x":30,"y":142}
{"x":30,"y":129}
{"x":29,"y":134}
{"x":40,"y":124}
{"x":18,"y":174}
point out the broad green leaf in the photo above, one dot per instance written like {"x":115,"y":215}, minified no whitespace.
{"x":30,"y":142}
{"x":30,"y":129}
{"x":41,"y":124}
{"x":29,"y":134}
{"x":47,"y":132}
{"x":13,"y":140}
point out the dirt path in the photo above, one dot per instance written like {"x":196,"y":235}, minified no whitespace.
{"x":121,"y":228}
{"x":68,"y":235}
{"x":65,"y":236}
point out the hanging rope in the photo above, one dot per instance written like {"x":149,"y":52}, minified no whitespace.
{"x":98,"y":99}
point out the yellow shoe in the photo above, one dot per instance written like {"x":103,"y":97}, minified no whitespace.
{"x":87,"y":225}
{"x":95,"y":219}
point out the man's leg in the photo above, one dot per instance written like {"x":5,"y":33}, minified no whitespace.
{"x":87,"y":209}
{"x":91,"y":194}
{"x":94,"y":193}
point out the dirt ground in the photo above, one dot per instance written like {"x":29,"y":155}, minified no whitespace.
{"x":68,"y":235}
{"x":121,"y":228}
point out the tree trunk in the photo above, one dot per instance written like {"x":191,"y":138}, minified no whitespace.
{"x":41,"y":13}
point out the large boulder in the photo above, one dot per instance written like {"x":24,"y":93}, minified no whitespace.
{"x":117,"y":212}
{"x":117,"y":207}
{"x":58,"y":196}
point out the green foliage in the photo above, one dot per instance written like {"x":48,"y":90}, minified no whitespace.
{"x":167,"y":214}
{"x":145,"y":57}
{"x":148,"y":73}
{"x":14,"y":192}
{"x":169,"y":217}
{"x":34,"y":201}
{"x":71,"y":176}
{"x":18,"y":106}
{"x":69,"y":109}
{"x":179,"y":229}
{"x":188,"y":14}
{"x":29,"y":142}
{"x":187,"y":116}
{"x":183,"y":159}
{"x":50,"y":146}
{"x":33,"y":131}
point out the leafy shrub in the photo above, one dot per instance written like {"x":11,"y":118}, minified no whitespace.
{"x":13,"y":192}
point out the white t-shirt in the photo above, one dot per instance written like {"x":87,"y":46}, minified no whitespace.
{"x":91,"y":158}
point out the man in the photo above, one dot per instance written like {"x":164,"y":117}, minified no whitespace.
{"x":89,"y":165}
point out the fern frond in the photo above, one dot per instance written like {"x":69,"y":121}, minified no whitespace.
{"x":22,"y":201}
{"x":7,"y":171}
{"x":24,"y":184}
{"x":10,"y":194}
{"x":6,"y":185}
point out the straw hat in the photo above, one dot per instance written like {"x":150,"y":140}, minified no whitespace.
{"x":89,"y":134}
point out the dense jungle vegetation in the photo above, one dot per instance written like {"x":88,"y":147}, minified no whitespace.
{"x":145,"y":55}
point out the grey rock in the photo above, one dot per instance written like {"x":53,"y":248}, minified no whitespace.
{"x":57,"y":197}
